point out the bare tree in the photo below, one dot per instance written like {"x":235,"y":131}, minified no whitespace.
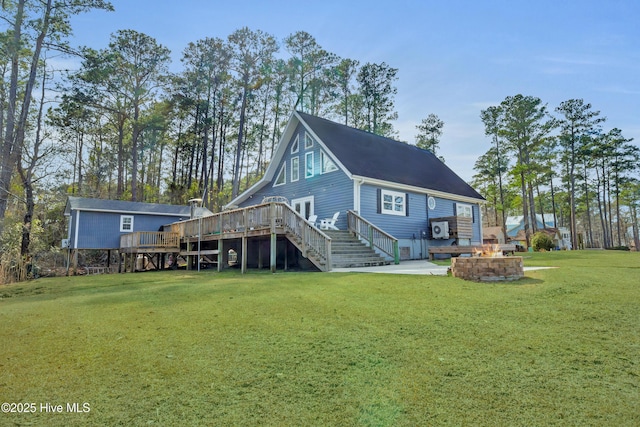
{"x":33,"y":25}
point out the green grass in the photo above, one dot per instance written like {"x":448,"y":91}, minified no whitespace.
{"x":560,"y":347}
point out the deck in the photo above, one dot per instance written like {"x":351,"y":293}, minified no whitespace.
{"x":209,"y":238}
{"x":259,"y":229}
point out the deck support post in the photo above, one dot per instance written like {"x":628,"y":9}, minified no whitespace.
{"x":221,"y":256}
{"x":244,"y":255}
{"x":273,"y":240}
{"x":286,"y":256}
{"x":272,"y":252}
{"x":74,"y":256}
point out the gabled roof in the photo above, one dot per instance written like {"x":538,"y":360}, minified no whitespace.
{"x":124,"y":207}
{"x":372,"y":156}
{"x":362,"y":154}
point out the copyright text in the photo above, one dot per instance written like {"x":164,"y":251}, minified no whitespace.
{"x":45,"y":407}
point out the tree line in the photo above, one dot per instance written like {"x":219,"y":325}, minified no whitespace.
{"x":123,"y":126}
{"x":564,"y":164}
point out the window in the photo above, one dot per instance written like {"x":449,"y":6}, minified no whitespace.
{"x":282,"y":176}
{"x":464,"y":210}
{"x":295,"y":168}
{"x":296,"y":145}
{"x":304,"y":206}
{"x":326,"y":164}
{"x":308,"y":141}
{"x":308,"y":160}
{"x":126,"y":223}
{"x":393,"y":203}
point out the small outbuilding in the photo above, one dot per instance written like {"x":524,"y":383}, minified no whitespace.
{"x":97,"y":224}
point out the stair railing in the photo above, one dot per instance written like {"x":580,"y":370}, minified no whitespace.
{"x":310,"y":240}
{"x":376,"y":237}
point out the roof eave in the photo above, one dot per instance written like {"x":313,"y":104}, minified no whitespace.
{"x":415,"y":189}
{"x":124,"y":211}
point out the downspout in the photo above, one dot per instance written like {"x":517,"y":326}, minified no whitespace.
{"x":75,"y":238}
{"x":356,"y":194}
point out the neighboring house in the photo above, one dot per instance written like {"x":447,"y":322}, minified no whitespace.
{"x":98,"y":224}
{"x":560,"y":235}
{"x":565,"y":238}
{"x":322,"y":167}
{"x":516,"y":223}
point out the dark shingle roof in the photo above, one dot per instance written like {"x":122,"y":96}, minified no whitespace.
{"x":373,"y":156}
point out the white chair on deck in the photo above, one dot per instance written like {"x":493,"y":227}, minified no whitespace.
{"x":312,"y":219}
{"x":329,"y":223}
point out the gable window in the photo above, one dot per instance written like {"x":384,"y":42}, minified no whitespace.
{"x":282,"y":176}
{"x":308,"y":170}
{"x":126,"y":223}
{"x":463,"y":210}
{"x":296,"y":145}
{"x":326,"y":164}
{"x":308,"y":141}
{"x":295,"y":168}
{"x":393,"y":203}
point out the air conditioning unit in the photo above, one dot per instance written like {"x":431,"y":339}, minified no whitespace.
{"x":64,"y":244}
{"x":440,"y":230}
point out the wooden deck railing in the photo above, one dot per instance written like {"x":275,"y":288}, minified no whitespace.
{"x":273,"y":216}
{"x":150,"y":240}
{"x":376,"y":237}
{"x":311,"y":241}
{"x":232,"y":221}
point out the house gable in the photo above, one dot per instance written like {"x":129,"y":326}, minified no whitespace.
{"x":344,"y":168}
{"x":318,"y":175}
{"x":364,"y":156}
{"x":374,"y":157}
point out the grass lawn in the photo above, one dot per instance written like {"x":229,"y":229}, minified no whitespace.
{"x":560,"y":347}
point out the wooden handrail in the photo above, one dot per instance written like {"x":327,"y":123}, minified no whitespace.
{"x":150,"y":239}
{"x":311,"y":241}
{"x":375,"y":236}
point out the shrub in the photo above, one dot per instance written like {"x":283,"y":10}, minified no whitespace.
{"x":542,"y":242}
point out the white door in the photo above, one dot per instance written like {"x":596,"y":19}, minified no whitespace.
{"x":304,"y":206}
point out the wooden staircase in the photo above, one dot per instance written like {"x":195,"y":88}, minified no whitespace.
{"x":348,"y":251}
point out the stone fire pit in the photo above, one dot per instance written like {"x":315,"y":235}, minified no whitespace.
{"x":487,"y":269}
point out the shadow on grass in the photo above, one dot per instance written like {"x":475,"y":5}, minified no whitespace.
{"x":529,"y":281}
{"x":519,"y":282}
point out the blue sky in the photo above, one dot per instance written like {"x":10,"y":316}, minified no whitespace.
{"x":454,"y":57}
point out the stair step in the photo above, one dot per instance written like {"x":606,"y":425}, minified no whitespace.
{"x":348,"y":251}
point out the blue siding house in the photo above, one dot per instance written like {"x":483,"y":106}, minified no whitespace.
{"x":98,"y":224}
{"x":322,"y":167}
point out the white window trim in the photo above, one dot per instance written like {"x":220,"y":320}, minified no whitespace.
{"x":296,"y":145}
{"x":122,"y":221}
{"x":324,"y":156}
{"x":306,"y":163}
{"x":308,"y":138}
{"x":393,"y":195}
{"x":464,"y":210}
{"x":283,"y":172}
{"x":295,"y":171}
